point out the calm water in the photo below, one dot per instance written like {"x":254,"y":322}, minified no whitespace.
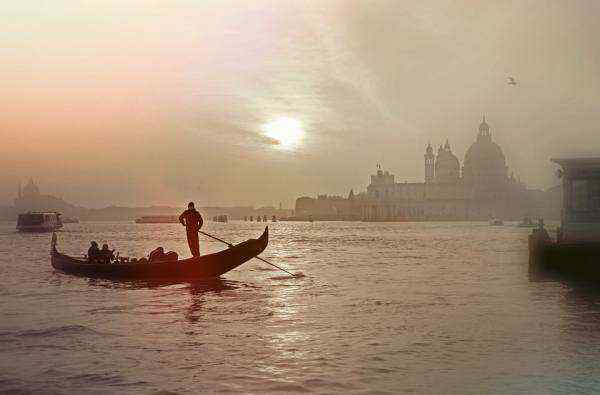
{"x":384,"y":308}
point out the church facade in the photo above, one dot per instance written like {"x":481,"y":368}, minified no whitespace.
{"x":29,"y":198}
{"x":481,"y":188}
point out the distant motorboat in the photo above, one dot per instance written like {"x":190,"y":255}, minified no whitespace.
{"x":527,"y":223}
{"x":39,"y":222}
{"x":157,"y":219}
{"x":496,"y":221}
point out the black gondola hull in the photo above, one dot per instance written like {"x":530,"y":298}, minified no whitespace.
{"x":191,"y":269}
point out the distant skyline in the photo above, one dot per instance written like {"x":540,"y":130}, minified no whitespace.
{"x":238,"y":103}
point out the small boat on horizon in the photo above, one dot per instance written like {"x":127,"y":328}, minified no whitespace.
{"x":39,"y":222}
{"x":157,"y":219}
{"x":190,"y":269}
{"x":220,"y":218}
{"x":496,"y":221}
{"x":527,"y":223}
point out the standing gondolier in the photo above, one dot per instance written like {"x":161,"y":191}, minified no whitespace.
{"x":192,"y":220}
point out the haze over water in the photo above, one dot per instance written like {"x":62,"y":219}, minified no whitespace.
{"x":384,"y":308}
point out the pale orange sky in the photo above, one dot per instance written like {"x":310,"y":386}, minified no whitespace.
{"x":161,"y":102}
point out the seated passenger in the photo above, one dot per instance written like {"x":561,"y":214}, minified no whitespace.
{"x":157,"y":255}
{"x":106,"y":254}
{"x":171,"y":256}
{"x":93,"y":251}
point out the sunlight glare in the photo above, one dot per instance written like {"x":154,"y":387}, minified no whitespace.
{"x":287,"y":131}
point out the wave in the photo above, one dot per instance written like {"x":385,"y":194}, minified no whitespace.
{"x":58,"y":331}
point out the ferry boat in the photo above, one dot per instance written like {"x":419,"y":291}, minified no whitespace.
{"x":576,"y":248}
{"x":157,"y":219}
{"x":39,"y":222}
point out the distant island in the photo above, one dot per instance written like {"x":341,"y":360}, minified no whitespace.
{"x":29,"y":198}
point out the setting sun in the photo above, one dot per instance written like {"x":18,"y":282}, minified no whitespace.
{"x":287,"y":131}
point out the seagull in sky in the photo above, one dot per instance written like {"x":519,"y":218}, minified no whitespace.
{"x":511,"y":81}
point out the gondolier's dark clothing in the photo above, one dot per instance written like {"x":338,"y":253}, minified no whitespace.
{"x":192,"y":220}
{"x":193,"y":242}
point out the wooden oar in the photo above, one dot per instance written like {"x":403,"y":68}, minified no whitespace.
{"x":257,"y":257}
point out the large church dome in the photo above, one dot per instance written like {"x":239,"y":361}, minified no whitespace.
{"x":484,"y":161}
{"x":31,"y":190}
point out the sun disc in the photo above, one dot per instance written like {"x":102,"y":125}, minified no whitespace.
{"x":286,"y":131}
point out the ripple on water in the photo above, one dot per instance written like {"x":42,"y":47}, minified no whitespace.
{"x":67,"y":330}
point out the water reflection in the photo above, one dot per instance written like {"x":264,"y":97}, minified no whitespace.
{"x":197,"y":290}
{"x":582,"y":300}
{"x":578,"y":300}
{"x":287,"y":338}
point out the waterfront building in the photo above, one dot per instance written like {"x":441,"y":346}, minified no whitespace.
{"x":326,"y":207}
{"x":29,"y":198}
{"x":580,"y":214}
{"x":576,"y":248}
{"x":481,"y":189}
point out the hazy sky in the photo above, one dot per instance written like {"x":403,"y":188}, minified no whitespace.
{"x":159,"y":102}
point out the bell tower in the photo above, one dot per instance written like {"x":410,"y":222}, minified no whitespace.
{"x":429,"y":164}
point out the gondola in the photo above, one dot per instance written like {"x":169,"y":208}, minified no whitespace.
{"x":191,"y":269}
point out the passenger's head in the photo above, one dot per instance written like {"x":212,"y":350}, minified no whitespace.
{"x":191,"y":205}
{"x":93,"y":244}
{"x":160,"y":249}
{"x":105,"y":246}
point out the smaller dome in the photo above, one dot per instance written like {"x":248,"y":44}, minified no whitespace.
{"x":31,"y":190}
{"x":447,"y":166}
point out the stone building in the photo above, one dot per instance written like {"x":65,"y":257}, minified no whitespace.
{"x":29,"y":198}
{"x":326,"y":207}
{"x":482,"y":188}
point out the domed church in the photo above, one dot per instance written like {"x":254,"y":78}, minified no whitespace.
{"x":482,"y":188}
{"x":29,"y":198}
{"x":446,"y":166}
{"x":485,"y":164}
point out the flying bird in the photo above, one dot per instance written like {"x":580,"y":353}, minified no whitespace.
{"x":511,"y":81}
